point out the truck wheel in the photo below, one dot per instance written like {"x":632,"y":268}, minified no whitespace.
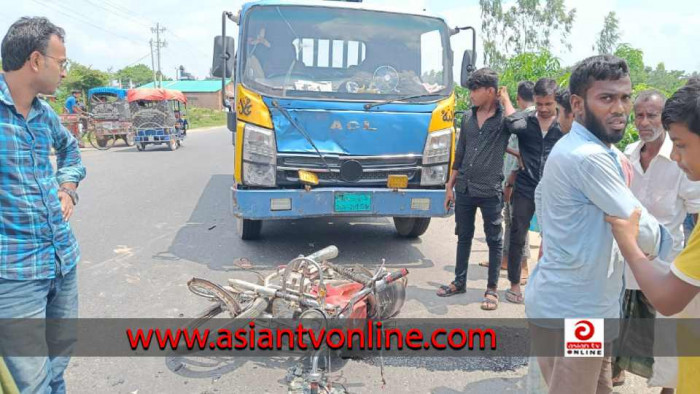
{"x":172,"y":144}
{"x":249,"y":229}
{"x":141,"y":146}
{"x":411,"y":227}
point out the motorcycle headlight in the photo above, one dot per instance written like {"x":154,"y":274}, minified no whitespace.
{"x":259,"y":156}
{"x":437,"y":147}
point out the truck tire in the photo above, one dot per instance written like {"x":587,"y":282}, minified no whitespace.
{"x":411,"y":227}
{"x":249,"y":229}
{"x":129,"y":139}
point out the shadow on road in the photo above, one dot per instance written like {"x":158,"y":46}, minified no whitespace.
{"x":209,"y":237}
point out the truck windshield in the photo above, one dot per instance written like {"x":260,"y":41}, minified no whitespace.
{"x":345,"y":54}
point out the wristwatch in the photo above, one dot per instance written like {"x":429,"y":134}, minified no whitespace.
{"x":72,"y":193}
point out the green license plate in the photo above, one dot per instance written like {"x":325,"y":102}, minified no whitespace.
{"x":353,"y":202}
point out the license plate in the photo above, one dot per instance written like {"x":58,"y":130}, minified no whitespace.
{"x":353,"y":202}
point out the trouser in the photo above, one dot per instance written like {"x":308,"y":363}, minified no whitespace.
{"x":523,"y":208}
{"x":55,"y":298}
{"x":508,"y":221}
{"x":465,"y":216}
{"x":571,"y":375}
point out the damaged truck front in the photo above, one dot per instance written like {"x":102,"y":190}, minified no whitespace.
{"x":339,"y":110}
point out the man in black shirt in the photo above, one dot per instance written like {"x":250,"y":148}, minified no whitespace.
{"x":537,"y":132}
{"x":477,"y":176}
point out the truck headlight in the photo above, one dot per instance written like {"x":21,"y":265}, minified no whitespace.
{"x":259,"y":156}
{"x":434,"y":175}
{"x":436,"y":158}
{"x":437,"y":147}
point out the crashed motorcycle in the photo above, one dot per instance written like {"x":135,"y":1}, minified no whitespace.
{"x":308,"y":287}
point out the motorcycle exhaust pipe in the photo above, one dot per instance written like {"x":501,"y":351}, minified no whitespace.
{"x":327,"y":253}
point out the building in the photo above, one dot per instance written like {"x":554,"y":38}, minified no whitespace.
{"x":202,"y":94}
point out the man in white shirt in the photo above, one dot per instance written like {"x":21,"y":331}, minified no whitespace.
{"x":665,"y":191}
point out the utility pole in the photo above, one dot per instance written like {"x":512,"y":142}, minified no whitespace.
{"x":159,"y":44}
{"x":153,"y":65}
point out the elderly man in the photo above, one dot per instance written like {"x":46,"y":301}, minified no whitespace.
{"x":38,"y":251}
{"x":580,"y":274}
{"x":668,"y":194}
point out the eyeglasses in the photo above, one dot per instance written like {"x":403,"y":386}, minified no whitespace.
{"x":62,"y":63}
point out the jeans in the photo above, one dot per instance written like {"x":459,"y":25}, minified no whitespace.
{"x":508,"y":220}
{"x":40,"y":299}
{"x":522,"y":209}
{"x":465,"y":216}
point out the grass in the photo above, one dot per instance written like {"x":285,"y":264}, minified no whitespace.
{"x":205,"y":117}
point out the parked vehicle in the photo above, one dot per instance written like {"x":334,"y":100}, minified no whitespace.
{"x":157,"y":117}
{"x":111,"y":117}
{"x":337,"y":115}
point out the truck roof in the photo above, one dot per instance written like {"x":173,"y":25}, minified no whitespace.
{"x":337,"y":4}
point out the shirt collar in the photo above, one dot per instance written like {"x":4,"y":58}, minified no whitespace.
{"x":499,"y":108}
{"x":578,"y":129}
{"x":6,"y":97}
{"x":664,"y":152}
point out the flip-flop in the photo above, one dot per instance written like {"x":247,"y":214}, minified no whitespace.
{"x":489,"y":304}
{"x":448,"y":291}
{"x":515,"y":298}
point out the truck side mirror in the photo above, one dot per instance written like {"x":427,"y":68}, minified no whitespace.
{"x":468,"y":66}
{"x":231,"y":120}
{"x":222,"y":63}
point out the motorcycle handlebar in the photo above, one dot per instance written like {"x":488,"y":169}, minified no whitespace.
{"x":327,"y":253}
{"x":396,"y":275}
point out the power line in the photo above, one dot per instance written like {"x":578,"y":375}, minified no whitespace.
{"x":133,"y":63}
{"x":83,"y":19}
{"x":112,"y":10}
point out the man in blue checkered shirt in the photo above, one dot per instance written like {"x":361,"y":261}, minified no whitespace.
{"x":38,"y":251}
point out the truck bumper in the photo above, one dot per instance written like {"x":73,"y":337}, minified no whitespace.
{"x":320,"y":202}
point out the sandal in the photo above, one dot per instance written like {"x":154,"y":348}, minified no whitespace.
{"x":618,"y":380}
{"x":489,"y":304}
{"x":450,"y":290}
{"x":515,"y":298}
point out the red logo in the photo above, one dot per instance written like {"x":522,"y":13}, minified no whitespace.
{"x":584,"y":330}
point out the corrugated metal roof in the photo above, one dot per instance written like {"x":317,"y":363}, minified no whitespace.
{"x":189,"y":86}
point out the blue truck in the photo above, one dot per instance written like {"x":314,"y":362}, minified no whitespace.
{"x":340,"y":109}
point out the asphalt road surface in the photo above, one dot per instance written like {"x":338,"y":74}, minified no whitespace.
{"x":149,"y":221}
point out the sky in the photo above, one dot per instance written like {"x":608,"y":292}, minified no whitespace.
{"x":112,"y":34}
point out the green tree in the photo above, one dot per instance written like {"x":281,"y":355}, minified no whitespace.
{"x":138,"y":74}
{"x":83,"y":78}
{"x":635,"y":62}
{"x":529,"y":67}
{"x":666,"y":81}
{"x":527,"y":26}
{"x":610,"y":35}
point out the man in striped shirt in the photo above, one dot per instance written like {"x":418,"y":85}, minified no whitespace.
{"x":38,"y":251}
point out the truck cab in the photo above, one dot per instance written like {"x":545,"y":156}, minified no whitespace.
{"x":339,"y":110}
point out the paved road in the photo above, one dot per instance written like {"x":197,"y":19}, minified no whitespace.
{"x":150,"y":221}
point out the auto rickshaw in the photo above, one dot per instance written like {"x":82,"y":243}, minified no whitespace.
{"x":111,"y":117}
{"x":158,"y":116}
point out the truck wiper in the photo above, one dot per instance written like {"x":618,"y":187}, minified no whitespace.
{"x":368,"y":106}
{"x":303,"y":132}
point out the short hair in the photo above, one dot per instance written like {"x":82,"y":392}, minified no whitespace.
{"x":596,"y":68}
{"x":526,"y":91}
{"x":74,"y":91}
{"x":545,"y":87}
{"x":483,"y":78}
{"x":24,"y":37}
{"x":684,"y":108}
{"x":649,"y":94}
{"x":563,"y":98}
